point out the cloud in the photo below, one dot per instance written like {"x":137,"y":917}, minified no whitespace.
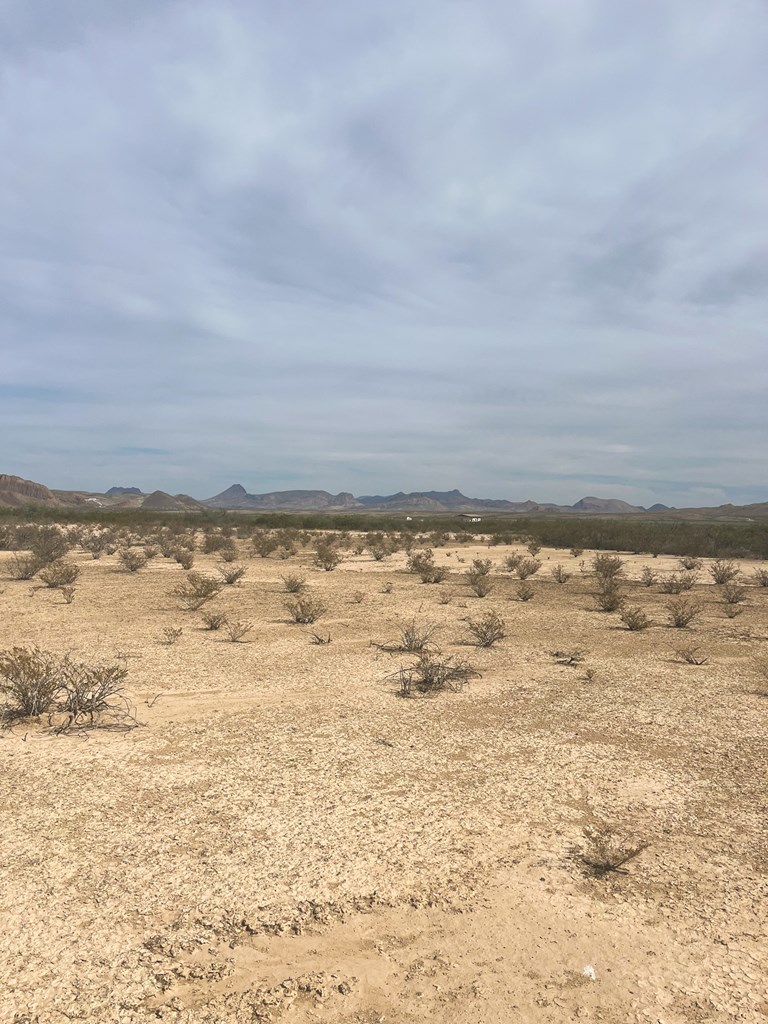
{"x":512,"y":248}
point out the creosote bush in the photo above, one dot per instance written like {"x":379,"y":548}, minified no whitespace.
{"x":59,"y":574}
{"x":414,"y":637}
{"x":691,"y":654}
{"x":682,"y":611}
{"x":423,"y":565}
{"x":29,"y":681}
{"x":236,"y":629}
{"x":196,"y":590}
{"x":293,"y":583}
{"x":214,"y":620}
{"x":488,"y":630}
{"x":305,"y":610}
{"x":327,"y":555}
{"x":605,"y":853}
{"x":171,"y":634}
{"x":23,"y":567}
{"x":760,"y":577}
{"x":527,"y":567}
{"x":524,"y":591}
{"x":648,"y":576}
{"x":185,"y":558}
{"x":232,"y":574}
{"x":634,"y":618}
{"x":560,"y":574}
{"x":690,"y":563}
{"x":607,"y":567}
{"x":608,"y":597}
{"x":132,"y":559}
{"x":731,"y":593}
{"x":723,"y":571}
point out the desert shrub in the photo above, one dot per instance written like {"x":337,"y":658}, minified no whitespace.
{"x":305,"y":609}
{"x":480,"y":583}
{"x":723,"y":571}
{"x":214,"y":620}
{"x":68,"y":593}
{"x":358,"y":596}
{"x":731,"y":611}
{"x":232,"y":574}
{"x":634,"y":618}
{"x":423,"y":565}
{"x":760,"y":577}
{"x":577,"y":552}
{"x":59,"y":574}
{"x":487,"y":630}
{"x":23,"y":567}
{"x":49,"y":545}
{"x":524,"y":591}
{"x":682,"y":611}
{"x":434,"y":672}
{"x":691,"y":564}
{"x":648,"y":576}
{"x":228,"y":552}
{"x":387,"y":588}
{"x":605,"y":853}
{"x":293,"y":583}
{"x":264,"y":543}
{"x":213,"y":542}
{"x":327,"y":555}
{"x":132,"y":559}
{"x":607,"y":567}
{"x":760,"y":666}
{"x":414,"y":637}
{"x":236,"y":629}
{"x":527,"y":567}
{"x":196,"y":590}
{"x":731,"y":593}
{"x":93,"y":692}
{"x":690,"y":654}
{"x":184,"y":557}
{"x":171,"y":634}
{"x":608,"y":597}
{"x":533,"y":547}
{"x":512,"y":561}
{"x":29,"y":681}
{"x":678,"y":582}
{"x":319,"y":639}
{"x":560,"y":574}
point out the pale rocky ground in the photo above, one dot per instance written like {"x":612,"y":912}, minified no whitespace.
{"x":285,"y":838}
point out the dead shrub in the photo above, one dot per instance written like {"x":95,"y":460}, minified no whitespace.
{"x":570,"y":658}
{"x":691,"y":654}
{"x":487,"y":630}
{"x":634,"y":618}
{"x":606,"y":853}
{"x":319,"y":639}
{"x":433,"y":673}
{"x":91,"y":695}
{"x":305,"y":610}
{"x":682,"y":611}
{"x":59,"y":574}
{"x":723,"y":571}
{"x":690,"y":563}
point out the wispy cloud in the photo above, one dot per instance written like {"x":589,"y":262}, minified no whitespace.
{"x":513,"y":248}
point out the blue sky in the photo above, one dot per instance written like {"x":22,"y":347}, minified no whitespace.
{"x":516,"y":248}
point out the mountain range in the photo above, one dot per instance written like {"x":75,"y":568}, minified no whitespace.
{"x":16,"y":492}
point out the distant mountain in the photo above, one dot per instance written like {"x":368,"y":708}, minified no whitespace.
{"x":159,"y":501}
{"x":658,"y":507}
{"x":604,"y":506}
{"x":236,"y":496}
{"x":116,"y":492}
{"x":16,"y":492}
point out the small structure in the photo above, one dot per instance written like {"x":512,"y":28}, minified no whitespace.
{"x":470,"y":518}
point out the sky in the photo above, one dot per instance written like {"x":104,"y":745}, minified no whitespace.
{"x":517,"y":248}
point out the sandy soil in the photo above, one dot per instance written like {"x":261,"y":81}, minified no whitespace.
{"x":285,"y":837}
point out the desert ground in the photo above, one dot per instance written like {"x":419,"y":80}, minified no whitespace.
{"x":285,"y":837}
